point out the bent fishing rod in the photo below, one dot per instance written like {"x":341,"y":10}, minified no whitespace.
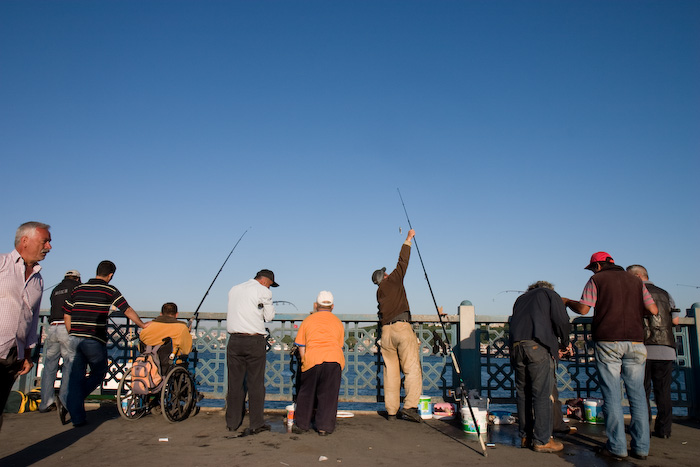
{"x":448,"y":347}
{"x":196,"y":312}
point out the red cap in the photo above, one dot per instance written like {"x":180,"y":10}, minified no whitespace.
{"x":600,"y":257}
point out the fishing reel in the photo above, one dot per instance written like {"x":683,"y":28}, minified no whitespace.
{"x":440,"y":347}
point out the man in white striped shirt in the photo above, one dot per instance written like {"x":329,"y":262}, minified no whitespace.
{"x":21,"y":287}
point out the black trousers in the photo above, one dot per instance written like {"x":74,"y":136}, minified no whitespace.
{"x":319,"y":389}
{"x":9,"y":368}
{"x":658,"y":374}
{"x":534,"y":371}
{"x":558,"y":424}
{"x":245,"y":360}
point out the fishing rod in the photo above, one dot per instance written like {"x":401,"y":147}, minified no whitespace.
{"x":284,"y":302}
{"x":196,"y":312}
{"x":444,"y":330}
{"x":508,"y":291}
{"x":694,"y":286}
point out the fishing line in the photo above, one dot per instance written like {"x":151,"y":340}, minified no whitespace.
{"x":444,"y":330}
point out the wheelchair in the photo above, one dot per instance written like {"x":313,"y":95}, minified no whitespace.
{"x":175,"y":395}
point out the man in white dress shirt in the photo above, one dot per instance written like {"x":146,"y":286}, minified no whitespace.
{"x":249,"y":307}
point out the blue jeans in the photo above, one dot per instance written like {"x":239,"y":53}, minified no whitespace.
{"x":534,"y":376}
{"x":623,"y":360}
{"x":92,"y":353}
{"x":57,"y":345}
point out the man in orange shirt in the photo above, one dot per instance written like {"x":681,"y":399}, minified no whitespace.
{"x":321,"y":338}
{"x":167,"y":325}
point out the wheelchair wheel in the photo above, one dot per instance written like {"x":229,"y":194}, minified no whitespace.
{"x":178,"y":395}
{"x":130,"y":406}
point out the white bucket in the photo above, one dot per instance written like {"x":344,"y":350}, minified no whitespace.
{"x":481,"y":415}
{"x":425,"y":408}
{"x":593,"y":411}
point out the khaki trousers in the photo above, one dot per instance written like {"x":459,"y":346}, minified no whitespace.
{"x":400,"y":353}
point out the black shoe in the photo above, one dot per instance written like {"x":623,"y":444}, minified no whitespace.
{"x":411,"y":415}
{"x":257,"y":430}
{"x":639,"y":456}
{"x":568,"y":430}
{"x":299,"y":431}
{"x":662,"y":436}
{"x":62,"y":412}
{"x":391,"y":418}
{"x":83,"y":423}
{"x":50,"y":408}
{"x":605,"y":453}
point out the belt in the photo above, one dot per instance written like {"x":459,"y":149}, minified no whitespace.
{"x":245,"y":334}
{"x":397,"y":321}
{"x":56,"y":323}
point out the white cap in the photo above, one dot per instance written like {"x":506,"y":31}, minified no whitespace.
{"x":325,"y":298}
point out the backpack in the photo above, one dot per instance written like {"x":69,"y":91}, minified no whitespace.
{"x":19,"y":402}
{"x":146,"y":376}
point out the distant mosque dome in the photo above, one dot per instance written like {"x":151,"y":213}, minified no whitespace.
{"x":468,"y":303}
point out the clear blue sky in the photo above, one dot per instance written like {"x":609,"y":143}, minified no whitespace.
{"x":524,"y":136}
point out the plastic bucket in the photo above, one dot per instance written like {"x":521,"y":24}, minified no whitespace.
{"x":481,"y":416}
{"x":593,"y":411}
{"x":425,"y":408}
{"x":290,"y":414}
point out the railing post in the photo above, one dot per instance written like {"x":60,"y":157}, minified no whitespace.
{"x":469,"y":352}
{"x":694,"y":345}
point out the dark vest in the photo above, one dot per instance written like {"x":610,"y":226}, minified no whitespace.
{"x":658,"y":329}
{"x":619,"y":308}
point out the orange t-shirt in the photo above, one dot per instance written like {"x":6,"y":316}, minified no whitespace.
{"x":323,"y":336}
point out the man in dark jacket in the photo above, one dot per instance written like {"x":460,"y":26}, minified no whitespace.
{"x":661,"y":352}
{"x":620,"y":302}
{"x":57,"y":344}
{"x":399,"y":344}
{"x":539,"y":327}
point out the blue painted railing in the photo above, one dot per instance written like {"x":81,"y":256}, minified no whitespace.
{"x":479,"y":342}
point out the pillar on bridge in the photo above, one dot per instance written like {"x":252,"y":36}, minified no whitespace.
{"x":468,"y":349}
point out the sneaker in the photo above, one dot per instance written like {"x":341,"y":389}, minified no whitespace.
{"x":641,"y":457}
{"x":391,"y":418}
{"x":62,"y":412}
{"x":411,"y":415}
{"x":552,"y":446}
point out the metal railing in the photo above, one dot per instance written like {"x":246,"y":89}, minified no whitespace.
{"x":480,"y":343}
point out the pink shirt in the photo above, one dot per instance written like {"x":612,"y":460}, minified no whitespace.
{"x":19,"y":304}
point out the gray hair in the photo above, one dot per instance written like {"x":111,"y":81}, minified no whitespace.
{"x":540,"y":284}
{"x":638,"y":270}
{"x":27,"y":229}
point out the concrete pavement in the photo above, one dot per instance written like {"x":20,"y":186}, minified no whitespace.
{"x":367,"y":439}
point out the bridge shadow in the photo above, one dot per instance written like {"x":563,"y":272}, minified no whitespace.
{"x":45,"y":448}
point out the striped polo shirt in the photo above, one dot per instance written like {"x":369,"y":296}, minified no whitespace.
{"x":89,"y":306}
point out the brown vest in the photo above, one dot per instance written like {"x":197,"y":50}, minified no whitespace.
{"x":619,"y":308}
